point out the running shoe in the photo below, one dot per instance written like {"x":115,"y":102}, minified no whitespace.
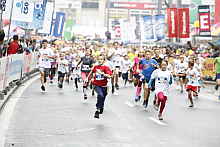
{"x":43,"y":88}
{"x":115,"y":93}
{"x":85,"y":97}
{"x":96,"y":114}
{"x":216,"y":87}
{"x":93,"y":92}
{"x":101,"y":110}
{"x":191,"y":105}
{"x":113,"y":89}
{"x":160,"y":117}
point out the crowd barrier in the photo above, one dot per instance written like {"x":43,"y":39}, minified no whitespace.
{"x":14,"y":68}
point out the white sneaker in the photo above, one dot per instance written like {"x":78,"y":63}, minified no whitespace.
{"x":115,"y":93}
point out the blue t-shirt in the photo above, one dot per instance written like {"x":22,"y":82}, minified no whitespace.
{"x":148,"y":67}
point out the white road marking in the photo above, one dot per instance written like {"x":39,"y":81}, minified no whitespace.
{"x":9,"y":109}
{"x":157,"y":121}
{"x":129,"y":104}
{"x":84,"y":130}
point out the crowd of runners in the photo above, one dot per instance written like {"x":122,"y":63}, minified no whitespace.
{"x":103,"y":69}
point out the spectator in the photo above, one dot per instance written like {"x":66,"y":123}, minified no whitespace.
{"x":13,"y":46}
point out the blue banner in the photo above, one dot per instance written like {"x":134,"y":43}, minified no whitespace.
{"x":148,"y":32}
{"x":159,"y":26}
{"x":59,"y":24}
{"x":39,"y":12}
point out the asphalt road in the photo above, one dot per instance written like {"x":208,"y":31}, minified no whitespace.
{"x":61,"y":118}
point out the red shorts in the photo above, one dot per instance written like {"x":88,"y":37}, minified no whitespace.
{"x":192,"y":88}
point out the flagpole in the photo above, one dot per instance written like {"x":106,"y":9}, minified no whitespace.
{"x":10,"y":19}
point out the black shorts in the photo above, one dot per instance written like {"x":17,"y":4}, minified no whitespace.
{"x":61,"y":75}
{"x":182,"y":77}
{"x":125,"y":76}
{"x":217,"y":76}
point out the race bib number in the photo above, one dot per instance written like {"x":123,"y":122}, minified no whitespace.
{"x":99,"y":77}
{"x":85,"y":67}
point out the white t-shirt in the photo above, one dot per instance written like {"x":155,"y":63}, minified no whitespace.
{"x":126,"y":65}
{"x":181,"y":67}
{"x":63,"y":66}
{"x":193,"y":77}
{"x":44,"y":61}
{"x":162,"y":80}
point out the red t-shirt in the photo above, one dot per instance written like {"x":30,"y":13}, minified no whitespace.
{"x":13,"y":48}
{"x":100,"y":80}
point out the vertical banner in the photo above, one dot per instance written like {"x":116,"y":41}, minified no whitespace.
{"x":204,"y":21}
{"x":183,"y":22}
{"x":172,"y":21}
{"x":117,"y":29}
{"x":38,"y":14}
{"x":217,"y":11}
{"x":23,"y":10}
{"x":68,"y":29}
{"x":59,"y":24}
{"x":148,"y":32}
{"x":47,"y":19}
{"x":159,"y":26}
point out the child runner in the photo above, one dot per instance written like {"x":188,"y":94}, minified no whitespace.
{"x":193,"y":82}
{"x":100,"y":73}
{"x":163,"y":80}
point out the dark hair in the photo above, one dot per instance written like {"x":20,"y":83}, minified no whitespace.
{"x":15,"y":37}
{"x":43,"y":41}
{"x":2,"y":35}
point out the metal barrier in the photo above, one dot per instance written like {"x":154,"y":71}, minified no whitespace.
{"x":15,"y":68}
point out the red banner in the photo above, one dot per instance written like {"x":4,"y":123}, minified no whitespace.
{"x":183,"y":23}
{"x":204,"y":21}
{"x":172,"y":22}
{"x":217,"y":11}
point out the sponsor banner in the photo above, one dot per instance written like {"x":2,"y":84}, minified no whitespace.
{"x":3,"y":67}
{"x":148,"y":31}
{"x":217,"y":11}
{"x":159,"y":26}
{"x":23,"y":10}
{"x":68,"y":28}
{"x":204,"y":21}
{"x":133,"y":5}
{"x":209,"y":68}
{"x":59,"y":24}
{"x":117,"y":30}
{"x":47,"y":19}
{"x":183,"y":23}
{"x":38,"y":14}
{"x":172,"y":21}
{"x":6,"y":9}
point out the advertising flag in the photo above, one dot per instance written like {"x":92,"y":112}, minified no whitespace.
{"x":204,"y":21}
{"x":23,"y":10}
{"x":148,"y":32}
{"x":38,"y":14}
{"x":183,"y":22}
{"x":68,"y":29}
{"x":172,"y":22}
{"x":47,"y":19}
{"x":59,"y":24}
{"x":159,"y":26}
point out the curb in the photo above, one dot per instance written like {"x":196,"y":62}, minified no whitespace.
{"x":12,"y":91}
